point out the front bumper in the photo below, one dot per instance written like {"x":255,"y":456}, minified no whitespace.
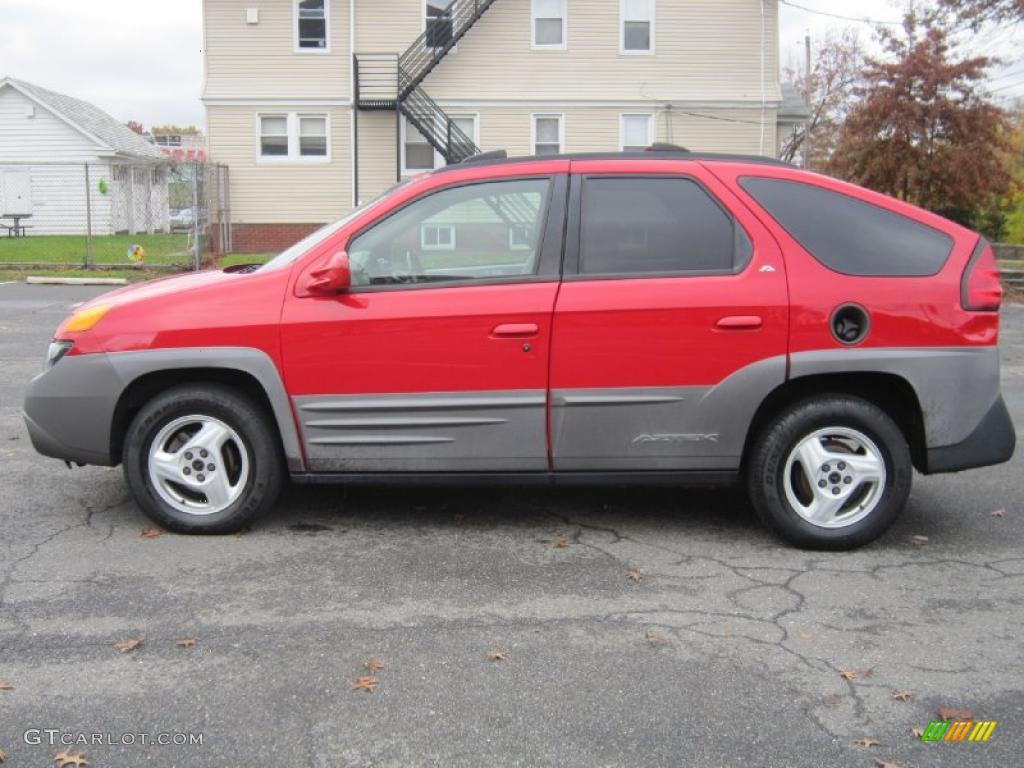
{"x":69,"y":409}
{"x":992,"y":442}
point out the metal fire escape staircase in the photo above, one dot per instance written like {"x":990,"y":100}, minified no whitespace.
{"x":393,"y":82}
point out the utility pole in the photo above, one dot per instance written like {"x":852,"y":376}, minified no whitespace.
{"x":808,"y":93}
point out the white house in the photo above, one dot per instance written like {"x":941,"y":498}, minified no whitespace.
{"x":48,"y":139}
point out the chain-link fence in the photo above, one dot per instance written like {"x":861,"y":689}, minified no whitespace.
{"x":110,"y":215}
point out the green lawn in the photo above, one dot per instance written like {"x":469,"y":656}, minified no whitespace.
{"x":108,"y":249}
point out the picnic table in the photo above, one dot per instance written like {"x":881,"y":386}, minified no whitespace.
{"x":17,"y":229}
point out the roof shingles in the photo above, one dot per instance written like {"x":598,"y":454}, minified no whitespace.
{"x":91,"y":119}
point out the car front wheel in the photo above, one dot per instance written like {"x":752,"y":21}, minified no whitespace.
{"x":202,"y":459}
{"x":832,"y":472}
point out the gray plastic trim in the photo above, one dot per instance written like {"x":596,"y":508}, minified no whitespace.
{"x":660,"y":428}
{"x":430,"y":432}
{"x":71,"y":406}
{"x":956,"y":386}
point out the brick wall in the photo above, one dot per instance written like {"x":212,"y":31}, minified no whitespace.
{"x":266,"y":238}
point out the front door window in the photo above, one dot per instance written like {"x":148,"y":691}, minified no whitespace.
{"x":476,"y":232}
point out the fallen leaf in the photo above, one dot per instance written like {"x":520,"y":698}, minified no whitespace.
{"x":847,"y":674}
{"x":656,"y":638}
{"x":368,"y":684}
{"x":805,"y":635}
{"x":187,"y":642}
{"x":498,"y":655}
{"x":999,"y":513}
{"x":129,"y":645}
{"x":902,"y":695}
{"x":884,"y":764}
{"x":633,"y":575}
{"x":561,"y":542}
{"x":865,"y":742}
{"x":917,"y":732}
{"x":70,"y":758}
{"x":6,"y":686}
{"x":833,"y":700}
{"x":952,"y":713}
{"x":867,"y":672}
{"x":373,"y":666}
{"x":919,"y":540}
{"x":151,"y":533}
{"x":3,"y":756}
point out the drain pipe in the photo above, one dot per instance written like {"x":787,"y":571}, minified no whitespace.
{"x":764,"y":92}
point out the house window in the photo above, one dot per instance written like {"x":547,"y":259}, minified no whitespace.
{"x":274,"y":136}
{"x":635,"y":132}
{"x":637,"y":26}
{"x":292,"y":136}
{"x":521,"y":237}
{"x":548,"y":23}
{"x":167,"y":140}
{"x":547,"y":134}
{"x":313,"y":135}
{"x":437,"y":22}
{"x":437,"y":237}
{"x":311,"y":25}
{"x":417,"y":153}
{"x":467,"y":126}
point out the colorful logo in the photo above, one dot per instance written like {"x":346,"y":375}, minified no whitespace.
{"x":964,"y":730}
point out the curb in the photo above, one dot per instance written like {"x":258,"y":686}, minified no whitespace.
{"x":76,"y":280}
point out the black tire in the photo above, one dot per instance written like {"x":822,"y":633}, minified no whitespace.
{"x":767,"y":459}
{"x":233,"y":408}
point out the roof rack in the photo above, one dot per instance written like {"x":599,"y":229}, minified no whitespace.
{"x":656,"y":151}
{"x":660,"y":146}
{"x":486,"y":157}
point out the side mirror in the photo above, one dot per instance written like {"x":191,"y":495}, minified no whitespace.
{"x":333,"y":278}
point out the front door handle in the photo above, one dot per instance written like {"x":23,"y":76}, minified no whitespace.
{"x":515,"y":331}
{"x":740,"y":323}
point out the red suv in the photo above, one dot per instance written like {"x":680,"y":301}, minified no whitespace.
{"x":600,"y":318}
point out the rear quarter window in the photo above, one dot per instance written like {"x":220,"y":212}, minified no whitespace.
{"x":848,"y":235}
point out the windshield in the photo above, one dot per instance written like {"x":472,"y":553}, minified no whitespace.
{"x":309,"y":241}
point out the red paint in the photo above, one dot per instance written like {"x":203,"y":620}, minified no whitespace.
{"x":905,"y":311}
{"x":641,"y":332}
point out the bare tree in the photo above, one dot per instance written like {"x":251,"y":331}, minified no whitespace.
{"x":830,"y":93}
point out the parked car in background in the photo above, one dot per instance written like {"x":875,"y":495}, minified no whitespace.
{"x":628,"y":317}
{"x":182,"y":219}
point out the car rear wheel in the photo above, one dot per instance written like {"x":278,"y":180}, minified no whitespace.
{"x":202,"y":459}
{"x":832,"y":472}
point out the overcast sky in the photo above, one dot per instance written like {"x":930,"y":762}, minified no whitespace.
{"x":141,"y":59}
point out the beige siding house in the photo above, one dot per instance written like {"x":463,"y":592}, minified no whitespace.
{"x":317,"y":105}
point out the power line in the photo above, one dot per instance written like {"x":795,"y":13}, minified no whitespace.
{"x":1006,"y":87}
{"x":859,"y":19}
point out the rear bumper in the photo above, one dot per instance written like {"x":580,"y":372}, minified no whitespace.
{"x":992,"y":442}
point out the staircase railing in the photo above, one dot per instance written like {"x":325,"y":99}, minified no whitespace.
{"x":442,"y":33}
{"x":376,"y":80}
{"x":437,"y":127}
{"x":393,"y":81}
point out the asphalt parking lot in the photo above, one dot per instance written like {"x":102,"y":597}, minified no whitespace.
{"x":729,"y":651}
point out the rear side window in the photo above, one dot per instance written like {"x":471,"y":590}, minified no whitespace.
{"x":649,"y":226}
{"x":848,"y":235}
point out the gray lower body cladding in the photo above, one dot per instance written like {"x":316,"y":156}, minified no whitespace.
{"x":69,"y":409}
{"x":437,"y":432}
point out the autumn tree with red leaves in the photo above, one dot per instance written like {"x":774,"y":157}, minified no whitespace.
{"x":923,"y":130}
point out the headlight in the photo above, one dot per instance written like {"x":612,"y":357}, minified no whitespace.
{"x":56,"y":351}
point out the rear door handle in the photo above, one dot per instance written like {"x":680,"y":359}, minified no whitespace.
{"x":515,"y":330}
{"x":740,"y":323}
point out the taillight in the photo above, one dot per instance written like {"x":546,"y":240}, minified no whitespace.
{"x":980,"y":288}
